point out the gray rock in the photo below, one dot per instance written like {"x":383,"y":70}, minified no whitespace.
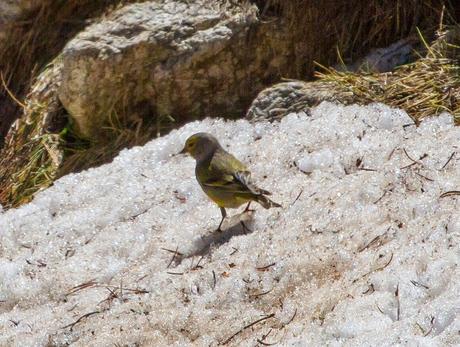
{"x":277,"y":101}
{"x":386,"y":59}
{"x":185,"y":60}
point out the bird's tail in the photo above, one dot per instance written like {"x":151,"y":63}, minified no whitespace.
{"x":266,"y":202}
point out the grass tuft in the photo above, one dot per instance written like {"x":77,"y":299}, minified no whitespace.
{"x":427,"y":87}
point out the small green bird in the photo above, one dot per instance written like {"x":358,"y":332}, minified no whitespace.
{"x":222,"y":177}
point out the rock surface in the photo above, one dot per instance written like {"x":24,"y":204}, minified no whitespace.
{"x":182,"y":60}
{"x":281,"y":99}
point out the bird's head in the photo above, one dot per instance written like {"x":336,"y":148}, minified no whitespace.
{"x":201,"y":145}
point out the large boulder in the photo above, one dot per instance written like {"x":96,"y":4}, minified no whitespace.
{"x":277,"y":101}
{"x":181,"y":60}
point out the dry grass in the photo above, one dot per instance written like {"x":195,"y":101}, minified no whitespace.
{"x":27,"y":167}
{"x":33,"y":159}
{"x":37,"y":38}
{"x":426,"y":87}
{"x":325,"y":31}
{"x":31,"y":156}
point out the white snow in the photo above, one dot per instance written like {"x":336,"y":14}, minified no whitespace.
{"x":364,"y":252}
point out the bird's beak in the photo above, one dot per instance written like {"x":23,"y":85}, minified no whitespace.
{"x":184,"y":151}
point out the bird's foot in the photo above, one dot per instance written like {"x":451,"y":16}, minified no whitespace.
{"x":247,"y":209}
{"x":218,"y":230}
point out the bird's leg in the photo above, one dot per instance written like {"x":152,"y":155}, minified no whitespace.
{"x":224,"y":214}
{"x":247,"y":208}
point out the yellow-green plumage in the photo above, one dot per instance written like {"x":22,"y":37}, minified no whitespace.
{"x":222,"y":177}
{"x":216,"y":178}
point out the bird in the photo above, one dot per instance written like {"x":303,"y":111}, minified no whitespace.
{"x":223,"y":178}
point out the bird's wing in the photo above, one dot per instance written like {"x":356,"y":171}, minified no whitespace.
{"x":222,"y":173}
{"x":230,"y":186}
{"x":230,"y":174}
{"x":245,"y":178}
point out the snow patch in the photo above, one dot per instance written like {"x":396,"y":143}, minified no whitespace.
{"x":365,"y":251}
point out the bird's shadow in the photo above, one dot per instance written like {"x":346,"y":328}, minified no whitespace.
{"x":240,"y":224}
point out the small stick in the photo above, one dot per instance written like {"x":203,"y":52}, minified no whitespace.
{"x":366,"y":169}
{"x":259,"y":294}
{"x":265,"y":268}
{"x":173,"y":257}
{"x":72,"y":308}
{"x":171,"y":251}
{"x":407,"y":154}
{"x":375,"y":239}
{"x":10,"y":93}
{"x":383,"y":195}
{"x":292,"y":318}
{"x":450,"y":193}
{"x":370,"y":289}
{"x":262,"y":342}
{"x":134,"y":290}
{"x":418,"y":284}
{"x":140,"y":279}
{"x":408,"y":166}
{"x":297,"y":198}
{"x":448,"y":160}
{"x":174,"y":273}
{"x":377,"y":269}
{"x":384,"y":266}
{"x":86,"y":315}
{"x":421,"y":329}
{"x":266,"y":335}
{"x":90,"y":283}
{"x":427,"y":178}
{"x":247,"y":327}
{"x":133,"y":217}
{"x":391,"y":153}
{"x":112,"y":296}
{"x":214,"y":279}
{"x":398,"y":307}
{"x":431,"y":327}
